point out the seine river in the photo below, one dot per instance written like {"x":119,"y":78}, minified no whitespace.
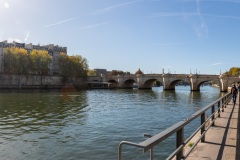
{"x":89,"y":125}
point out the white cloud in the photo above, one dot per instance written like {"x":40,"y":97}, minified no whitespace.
{"x":26,"y":38}
{"x":174,"y":14}
{"x":60,"y":22}
{"x":227,"y":1}
{"x":6,"y":5}
{"x":164,"y":44}
{"x":216,"y":64}
{"x":189,"y":14}
{"x":108,"y":9}
{"x":94,"y":25}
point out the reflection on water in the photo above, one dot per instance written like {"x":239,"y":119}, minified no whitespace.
{"x":90,"y":124}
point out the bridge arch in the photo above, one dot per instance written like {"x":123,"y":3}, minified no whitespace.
{"x":149,"y":83}
{"x":198,"y":80}
{"x":128,"y":83}
{"x":114,"y":83}
{"x":172,"y":85}
{"x":198,"y":86}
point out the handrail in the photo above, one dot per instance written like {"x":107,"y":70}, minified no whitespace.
{"x":177,"y":128}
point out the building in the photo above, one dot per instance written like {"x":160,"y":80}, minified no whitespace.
{"x":53,"y":50}
{"x":100,"y":72}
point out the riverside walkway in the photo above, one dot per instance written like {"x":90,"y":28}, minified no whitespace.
{"x":217,"y":137}
{"x":223,"y":139}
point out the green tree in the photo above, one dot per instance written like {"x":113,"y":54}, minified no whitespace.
{"x":73,"y":66}
{"x":64,"y":66}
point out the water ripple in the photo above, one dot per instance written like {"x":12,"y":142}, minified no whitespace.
{"x":90,"y":124}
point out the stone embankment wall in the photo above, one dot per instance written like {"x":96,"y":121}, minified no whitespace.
{"x":30,"y":82}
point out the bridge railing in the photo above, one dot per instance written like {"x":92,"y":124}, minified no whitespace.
{"x":178,"y":128}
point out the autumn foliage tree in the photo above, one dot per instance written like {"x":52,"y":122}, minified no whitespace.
{"x":16,"y":61}
{"x":234,"y":71}
{"x":73,"y":66}
{"x":40,"y":61}
{"x":91,"y":73}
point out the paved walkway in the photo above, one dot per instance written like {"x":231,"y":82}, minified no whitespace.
{"x":222,"y":140}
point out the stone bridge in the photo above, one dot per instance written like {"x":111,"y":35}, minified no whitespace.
{"x":169,"y":81}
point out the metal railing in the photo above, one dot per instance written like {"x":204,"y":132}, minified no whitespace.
{"x":178,"y":128}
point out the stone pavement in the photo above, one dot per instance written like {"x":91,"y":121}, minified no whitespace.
{"x":222,"y":140}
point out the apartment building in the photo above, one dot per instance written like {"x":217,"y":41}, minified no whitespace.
{"x":53,"y":50}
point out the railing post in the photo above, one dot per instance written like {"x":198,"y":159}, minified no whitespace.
{"x":226,"y":101}
{"x":120,"y":152}
{"x":180,"y":140}
{"x":151,"y":154}
{"x":203,"y":128}
{"x":213,"y":117}
{"x":219,"y":108}
{"x":223,"y":105}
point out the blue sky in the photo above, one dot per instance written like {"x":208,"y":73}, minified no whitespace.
{"x":178,"y":36}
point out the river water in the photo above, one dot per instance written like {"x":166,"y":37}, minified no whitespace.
{"x":89,"y":125}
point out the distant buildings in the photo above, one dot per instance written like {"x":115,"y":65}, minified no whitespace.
{"x":53,"y":50}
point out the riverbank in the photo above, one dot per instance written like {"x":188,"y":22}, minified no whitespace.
{"x":29,"y":82}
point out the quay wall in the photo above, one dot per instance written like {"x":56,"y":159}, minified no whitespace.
{"x":30,"y":81}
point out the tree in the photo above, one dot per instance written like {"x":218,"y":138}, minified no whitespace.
{"x":116,"y":72}
{"x":234,"y":71}
{"x":15,"y":61}
{"x":64,"y":66}
{"x":40,"y":61}
{"x":9,"y":60}
{"x":22,"y":61}
{"x":73,"y":66}
{"x":91,"y":73}
{"x":80,"y":66}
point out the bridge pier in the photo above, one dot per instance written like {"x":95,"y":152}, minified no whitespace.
{"x":143,"y":83}
{"x":195,"y":82}
{"x":224,"y":83}
{"x":168,"y":87}
{"x":144,"y":88}
{"x":167,"y":80}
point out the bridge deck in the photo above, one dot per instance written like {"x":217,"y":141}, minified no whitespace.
{"x":222,"y":140}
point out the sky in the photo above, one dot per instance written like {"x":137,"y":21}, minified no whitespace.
{"x":177,"y":36}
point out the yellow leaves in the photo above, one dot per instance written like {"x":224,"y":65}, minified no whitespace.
{"x":73,"y":66}
{"x":91,"y":73}
{"x":63,"y":54}
{"x":17,"y":60}
{"x":234,"y":71}
{"x":40,"y":59}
